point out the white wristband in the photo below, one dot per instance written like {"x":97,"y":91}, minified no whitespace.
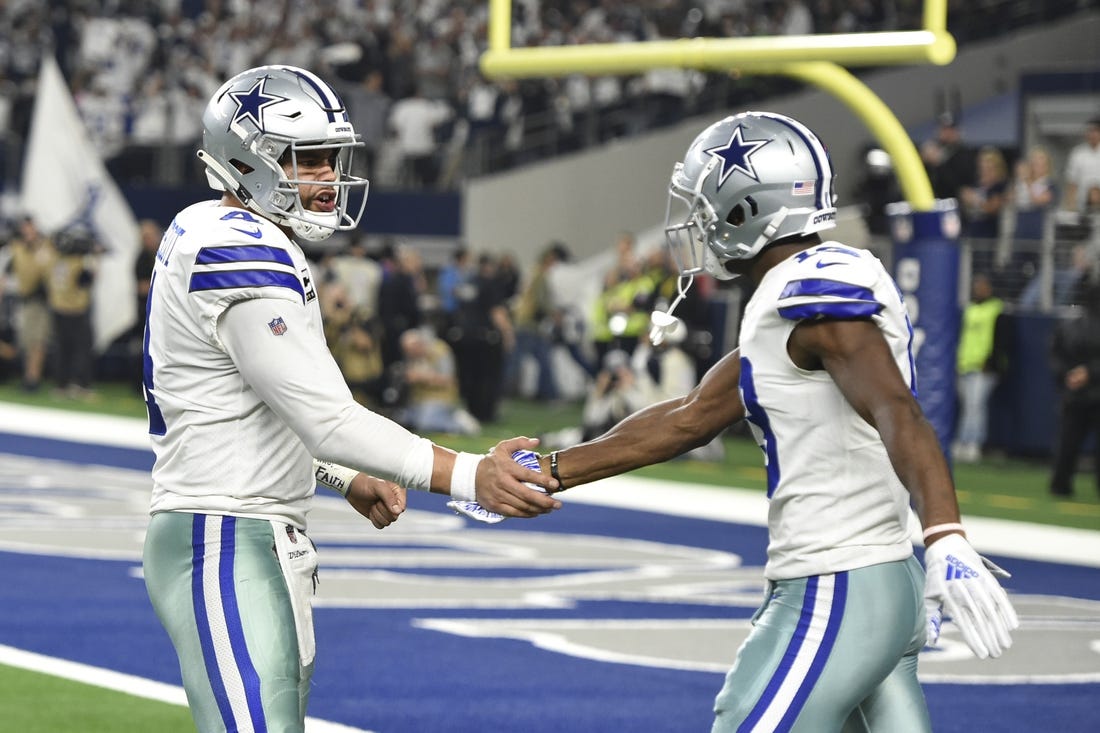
{"x":463,"y":477}
{"x":334,"y":476}
{"x":950,"y":527}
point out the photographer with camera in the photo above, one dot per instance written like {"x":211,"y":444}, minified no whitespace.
{"x":70,"y":300}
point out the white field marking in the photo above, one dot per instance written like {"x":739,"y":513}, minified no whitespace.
{"x":553,"y":637}
{"x":126,"y":683}
{"x":41,"y":422}
{"x":742,"y":506}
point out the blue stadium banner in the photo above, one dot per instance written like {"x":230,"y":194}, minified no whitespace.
{"x":926,"y":268}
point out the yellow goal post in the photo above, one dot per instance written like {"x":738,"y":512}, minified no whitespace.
{"x":819,"y":59}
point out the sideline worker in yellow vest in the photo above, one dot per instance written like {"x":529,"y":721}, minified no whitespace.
{"x":981,"y":360}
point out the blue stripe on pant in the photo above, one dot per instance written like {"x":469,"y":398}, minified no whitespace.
{"x":832,"y":653}
{"x":239,"y":667}
{"x":217,"y":587}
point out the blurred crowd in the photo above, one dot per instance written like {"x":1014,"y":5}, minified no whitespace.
{"x":1034,"y":231}
{"x":437,"y":349}
{"x":141,"y":70}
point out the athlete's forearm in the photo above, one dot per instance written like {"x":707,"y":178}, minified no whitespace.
{"x":638,"y":440}
{"x":659,"y":432}
{"x":919,"y":462}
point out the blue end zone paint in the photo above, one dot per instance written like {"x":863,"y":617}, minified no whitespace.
{"x":64,"y":450}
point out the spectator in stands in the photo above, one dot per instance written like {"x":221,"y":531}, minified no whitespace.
{"x":1083,"y":168}
{"x":369,"y":111}
{"x":1075,"y":362}
{"x":949,"y":161}
{"x":984,"y":201}
{"x":1034,"y":186}
{"x":483,"y":335}
{"x":536,"y":316}
{"x":981,"y":360}
{"x":415,"y":121}
{"x":354,"y":337}
{"x":1033,"y":195}
{"x":615,"y":393}
{"x":70,"y":299}
{"x":982,"y":207}
{"x":508,"y":274}
{"x":620,"y":315}
{"x":452,"y":277}
{"x":32,"y":259}
{"x":360,"y":275}
{"x":399,"y":300}
{"x":432,"y":403}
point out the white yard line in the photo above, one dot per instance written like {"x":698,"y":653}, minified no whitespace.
{"x":994,"y":536}
{"x":125,"y":683}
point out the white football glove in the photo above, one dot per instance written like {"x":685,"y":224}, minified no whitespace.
{"x":964,"y":584}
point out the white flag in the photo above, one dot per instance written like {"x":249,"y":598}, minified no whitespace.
{"x":65,"y":183}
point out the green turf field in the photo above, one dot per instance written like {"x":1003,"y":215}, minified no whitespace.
{"x":42,"y":703}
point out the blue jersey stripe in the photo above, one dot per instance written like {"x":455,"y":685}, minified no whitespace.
{"x":202,"y":621}
{"x":758,"y":417}
{"x":824,"y":286}
{"x":828,"y":641}
{"x":243,"y":253}
{"x":230,"y":609}
{"x":232,"y":279}
{"x":840,"y":310}
{"x":859,"y":302}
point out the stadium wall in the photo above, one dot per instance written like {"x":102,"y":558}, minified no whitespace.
{"x":586,"y":199}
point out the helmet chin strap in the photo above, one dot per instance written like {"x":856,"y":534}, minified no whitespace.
{"x":662,"y":324}
{"x":224,"y":177}
{"x":770,"y":229}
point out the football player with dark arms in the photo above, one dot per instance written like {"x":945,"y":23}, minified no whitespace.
{"x":248,"y":410}
{"x":824,"y":374}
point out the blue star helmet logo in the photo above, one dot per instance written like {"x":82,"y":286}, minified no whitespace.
{"x":251,"y":104}
{"x":736,"y":155}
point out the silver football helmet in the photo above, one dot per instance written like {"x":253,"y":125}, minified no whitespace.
{"x":746,"y":181}
{"x":263,"y":119}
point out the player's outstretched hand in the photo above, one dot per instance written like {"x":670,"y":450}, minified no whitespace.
{"x":962,"y":584}
{"x":500,"y":482}
{"x":380,"y":501}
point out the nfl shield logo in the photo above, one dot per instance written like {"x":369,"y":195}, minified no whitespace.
{"x":277,"y":326}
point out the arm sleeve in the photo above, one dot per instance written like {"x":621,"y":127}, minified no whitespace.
{"x":295,"y":375}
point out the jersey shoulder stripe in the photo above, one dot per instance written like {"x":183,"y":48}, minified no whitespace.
{"x":243,"y":253}
{"x":822,"y":298}
{"x":236,"y":279}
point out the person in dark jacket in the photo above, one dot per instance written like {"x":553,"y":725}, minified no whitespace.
{"x":1075,"y":360}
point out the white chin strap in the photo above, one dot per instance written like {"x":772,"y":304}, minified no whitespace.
{"x":663,"y":324}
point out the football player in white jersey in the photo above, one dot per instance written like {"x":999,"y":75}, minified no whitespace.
{"x":248,"y":411}
{"x":824,"y":374}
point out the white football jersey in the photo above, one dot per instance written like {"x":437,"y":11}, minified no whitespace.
{"x":219,"y":448}
{"x":835,"y":502}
